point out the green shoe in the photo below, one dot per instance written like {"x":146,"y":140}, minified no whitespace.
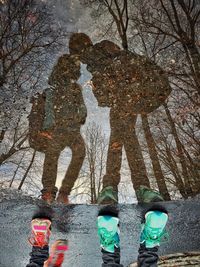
{"x":147,"y":195}
{"x":108,"y":196}
{"x":153,"y":230}
{"x":108,"y":232}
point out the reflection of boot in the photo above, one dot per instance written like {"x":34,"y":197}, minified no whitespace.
{"x":62,"y":198}
{"x":108,"y":196}
{"x":147,"y":195}
{"x":57,"y":253}
{"x":48,"y":196}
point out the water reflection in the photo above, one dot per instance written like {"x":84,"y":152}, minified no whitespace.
{"x":134,"y":88}
{"x":54,"y":123}
{"x":130,"y":84}
{"x":127,"y":83}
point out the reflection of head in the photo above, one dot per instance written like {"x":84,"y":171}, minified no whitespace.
{"x":108,"y":47}
{"x":79,"y":42}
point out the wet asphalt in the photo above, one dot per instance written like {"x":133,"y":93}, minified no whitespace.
{"x":77,"y":223}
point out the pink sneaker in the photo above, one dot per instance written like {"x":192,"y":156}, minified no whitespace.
{"x":40,"y":232}
{"x":57,"y":253}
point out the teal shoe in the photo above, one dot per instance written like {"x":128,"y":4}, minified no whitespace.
{"x":153,"y":230}
{"x":108,"y":196}
{"x":108,"y":232}
{"x":148,"y":195}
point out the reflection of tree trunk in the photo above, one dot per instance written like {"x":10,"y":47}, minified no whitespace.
{"x":181,"y":156}
{"x":91,"y":188}
{"x":15,"y":148}
{"x":175,"y":171}
{"x":121,"y":18}
{"x":92,"y":178}
{"x":154,"y":158}
{"x":193,"y":170}
{"x":15,"y":172}
{"x":27,"y":171}
{"x":195,"y":59}
{"x":170,"y":162}
{"x":95,"y":152}
{"x":187,"y":38}
{"x":2,"y":133}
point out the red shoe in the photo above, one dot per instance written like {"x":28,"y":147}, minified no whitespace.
{"x":57,"y":253}
{"x":40,"y":232}
{"x":63,"y":198}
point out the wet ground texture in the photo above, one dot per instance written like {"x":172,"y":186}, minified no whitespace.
{"x":77,"y":223}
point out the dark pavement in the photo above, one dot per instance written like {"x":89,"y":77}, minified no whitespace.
{"x":77,"y":223}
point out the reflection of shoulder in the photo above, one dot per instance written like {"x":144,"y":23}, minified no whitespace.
{"x":68,"y":58}
{"x":64,"y":58}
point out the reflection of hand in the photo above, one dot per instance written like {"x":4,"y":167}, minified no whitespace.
{"x":82,"y":121}
{"x":45,"y":264}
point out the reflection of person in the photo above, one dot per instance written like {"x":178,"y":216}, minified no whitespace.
{"x":153,"y":230}
{"x":54,"y":123}
{"x":40,"y":245}
{"x":129,"y":84}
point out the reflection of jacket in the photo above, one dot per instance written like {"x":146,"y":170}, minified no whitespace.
{"x":69,"y":110}
{"x":64,"y":109}
{"x":126,"y":79}
{"x":60,"y":109}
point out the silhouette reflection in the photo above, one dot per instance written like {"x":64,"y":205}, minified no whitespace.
{"x":54,"y":123}
{"x":130,"y":85}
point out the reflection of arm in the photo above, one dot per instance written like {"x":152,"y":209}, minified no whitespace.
{"x":54,"y":76}
{"x":49,"y":119}
{"x":64,"y":70}
{"x":82,"y":110}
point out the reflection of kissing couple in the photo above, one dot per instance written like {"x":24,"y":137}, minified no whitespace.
{"x":127,"y":83}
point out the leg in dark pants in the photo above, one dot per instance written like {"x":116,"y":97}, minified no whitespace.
{"x":147,"y":257}
{"x":78,"y":155}
{"x":111,"y":259}
{"x":50,"y":169}
{"x":38,"y":256}
{"x":114,"y":159}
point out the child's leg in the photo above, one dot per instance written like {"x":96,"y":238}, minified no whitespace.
{"x":152,"y":232}
{"x":57,"y":254}
{"x":108,"y":232}
{"x":39,"y":240}
{"x":111,"y":259}
{"x":38,"y":256}
{"x":49,"y":176}
{"x":147,"y":257}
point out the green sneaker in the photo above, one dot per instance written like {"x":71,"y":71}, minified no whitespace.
{"x":153,"y":230}
{"x":108,"y":196}
{"x":147,"y":195}
{"x":108,"y":232}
